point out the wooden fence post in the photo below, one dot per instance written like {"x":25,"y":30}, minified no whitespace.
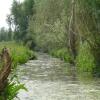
{"x":5,"y":69}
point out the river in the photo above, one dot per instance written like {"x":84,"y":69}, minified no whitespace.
{"x":49,"y":78}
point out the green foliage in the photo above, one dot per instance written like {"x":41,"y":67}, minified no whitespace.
{"x":85,"y":60}
{"x":12,"y":90}
{"x":19,"y":53}
{"x":89,"y":27}
{"x":4,"y":34}
{"x":21,"y":13}
{"x":62,"y":54}
{"x":50,"y":28}
{"x":48,"y":24}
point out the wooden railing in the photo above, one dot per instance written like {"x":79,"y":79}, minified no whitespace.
{"x":5,"y":68}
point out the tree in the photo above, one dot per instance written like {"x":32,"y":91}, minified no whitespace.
{"x":48,"y":24}
{"x":4,"y":34}
{"x":21,"y":14}
{"x":72,"y":31}
{"x":10,"y":24}
{"x":88,"y":25}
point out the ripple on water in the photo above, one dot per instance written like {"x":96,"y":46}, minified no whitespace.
{"x":46,"y":79}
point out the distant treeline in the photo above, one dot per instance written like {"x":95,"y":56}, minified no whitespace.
{"x":5,"y":35}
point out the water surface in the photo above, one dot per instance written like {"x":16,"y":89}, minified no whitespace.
{"x":49,"y":78}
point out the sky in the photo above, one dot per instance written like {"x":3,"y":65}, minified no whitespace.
{"x":5,"y":6}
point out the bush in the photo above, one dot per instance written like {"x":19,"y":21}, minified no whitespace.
{"x":19,"y":53}
{"x":11,"y":91}
{"x":62,"y":54}
{"x":85,"y":60}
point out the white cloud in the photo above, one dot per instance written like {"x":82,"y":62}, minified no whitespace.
{"x":5,"y":6}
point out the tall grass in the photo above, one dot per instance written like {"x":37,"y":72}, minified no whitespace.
{"x":19,"y":53}
{"x":85,"y":60}
{"x":62,"y":53}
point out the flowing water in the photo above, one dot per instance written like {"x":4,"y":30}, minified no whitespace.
{"x":49,"y":78}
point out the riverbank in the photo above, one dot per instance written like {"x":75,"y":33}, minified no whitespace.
{"x":62,"y":53}
{"x":84,"y":61}
{"x":19,"y":55}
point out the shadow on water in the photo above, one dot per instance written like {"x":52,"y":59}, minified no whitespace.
{"x":49,"y":78}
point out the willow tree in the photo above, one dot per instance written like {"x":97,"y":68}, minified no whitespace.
{"x":88,"y":25}
{"x":49,"y":24}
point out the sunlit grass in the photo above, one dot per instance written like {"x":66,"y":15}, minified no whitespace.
{"x":19,"y":53}
{"x":62,"y":54}
{"x":85,"y":60}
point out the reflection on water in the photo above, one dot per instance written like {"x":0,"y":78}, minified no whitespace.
{"x":51,"y":79}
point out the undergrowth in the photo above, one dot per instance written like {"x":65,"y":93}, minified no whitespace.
{"x":85,"y":60}
{"x":62,"y":54}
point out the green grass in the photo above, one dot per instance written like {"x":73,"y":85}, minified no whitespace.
{"x":62,"y":54}
{"x":19,"y":53}
{"x":85,"y":60}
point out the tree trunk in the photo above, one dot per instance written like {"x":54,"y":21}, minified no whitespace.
{"x":72,"y":33}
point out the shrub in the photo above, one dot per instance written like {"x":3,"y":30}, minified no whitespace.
{"x":62,"y":54}
{"x":19,"y":53}
{"x":11,"y":91}
{"x":85,"y":60}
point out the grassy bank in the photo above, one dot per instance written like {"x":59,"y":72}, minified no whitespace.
{"x":62,"y":54}
{"x":19,"y":53}
{"x":84,"y":61}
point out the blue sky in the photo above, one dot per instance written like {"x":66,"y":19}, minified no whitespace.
{"x":5,"y":6}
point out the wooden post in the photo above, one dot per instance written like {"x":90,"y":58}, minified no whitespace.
{"x":5,"y":69}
